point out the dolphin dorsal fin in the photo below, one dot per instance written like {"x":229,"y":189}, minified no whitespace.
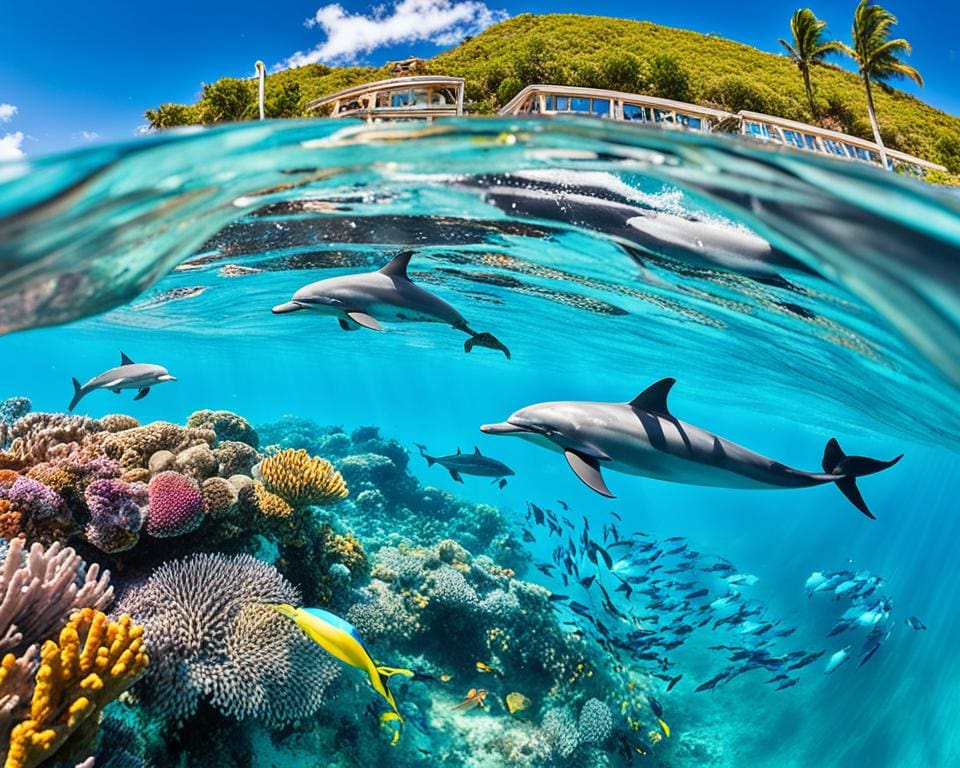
{"x":654,"y":397}
{"x":458,"y":450}
{"x":476,"y":451}
{"x":398,"y":266}
{"x":124,"y":360}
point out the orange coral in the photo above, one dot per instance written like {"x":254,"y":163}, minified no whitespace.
{"x":302,"y":479}
{"x":92,"y":663}
{"x":10,"y":520}
{"x":270,"y":504}
{"x":344,"y":548}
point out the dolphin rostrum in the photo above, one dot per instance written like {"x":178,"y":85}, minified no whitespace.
{"x":469,"y":464}
{"x":128,"y":375}
{"x":362,"y":300}
{"x":642,"y":437}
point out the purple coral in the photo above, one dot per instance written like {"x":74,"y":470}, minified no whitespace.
{"x":34,"y":500}
{"x":116,"y":514}
{"x":176,"y":505}
{"x":213,"y":634}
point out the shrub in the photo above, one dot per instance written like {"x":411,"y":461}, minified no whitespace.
{"x":669,"y":79}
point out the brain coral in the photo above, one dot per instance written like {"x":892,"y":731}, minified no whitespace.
{"x":116,"y":514}
{"x":212,"y":635}
{"x":176,"y":505}
{"x":301,"y":479}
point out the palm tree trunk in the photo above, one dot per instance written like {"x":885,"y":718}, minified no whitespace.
{"x":873,"y":122}
{"x":806,"y":84}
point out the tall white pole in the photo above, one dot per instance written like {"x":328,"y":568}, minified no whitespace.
{"x":262,"y":73}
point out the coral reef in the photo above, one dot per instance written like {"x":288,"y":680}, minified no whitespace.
{"x":214,"y":636}
{"x":227,"y":426}
{"x":117,"y":511}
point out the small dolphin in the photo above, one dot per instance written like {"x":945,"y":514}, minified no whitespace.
{"x":475,"y":463}
{"x":643,"y":438}
{"x":914,"y":623}
{"x":128,"y":375}
{"x":388,"y":294}
{"x":838,"y":659}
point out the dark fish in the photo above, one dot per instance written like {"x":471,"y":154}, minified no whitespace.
{"x":698,"y":593}
{"x":579,"y":608}
{"x":785,"y":632}
{"x":563,"y":504}
{"x":874,"y":647}
{"x":788,"y":683}
{"x":625,"y":588}
{"x":777,"y":678}
{"x":914,"y":623}
{"x":587,"y":581}
{"x":528,"y":537}
{"x":568,"y":522}
{"x":677,"y":551}
{"x":554,"y":528}
{"x":676,"y":538}
{"x":537,"y":513}
{"x":673,"y":682}
{"x":614,"y":514}
{"x":545,"y":568}
{"x":555,"y":597}
{"x":604,"y":555}
{"x":808,"y":659}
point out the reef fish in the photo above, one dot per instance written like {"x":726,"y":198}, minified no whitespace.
{"x":475,"y":463}
{"x":340,"y":639}
{"x":358,"y":300}
{"x":644,"y":438}
{"x":517,"y":702}
{"x":128,"y":375}
{"x":474,"y":698}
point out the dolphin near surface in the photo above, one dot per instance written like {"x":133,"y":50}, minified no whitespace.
{"x":643,"y":438}
{"x":363,"y":300}
{"x":128,"y":375}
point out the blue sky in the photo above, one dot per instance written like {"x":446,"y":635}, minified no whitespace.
{"x":77,"y":72}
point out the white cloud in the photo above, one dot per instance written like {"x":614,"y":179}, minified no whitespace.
{"x":7,"y":111}
{"x":349,"y":36}
{"x":10,"y":146}
{"x":89,"y":135}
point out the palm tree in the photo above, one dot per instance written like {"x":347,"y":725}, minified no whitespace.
{"x":878,"y":57}
{"x":808,"y":46}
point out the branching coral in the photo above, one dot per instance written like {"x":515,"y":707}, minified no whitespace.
{"x":301,"y":479}
{"x":36,"y":433}
{"x":213,"y":635}
{"x":39,"y":588}
{"x":92,"y":662}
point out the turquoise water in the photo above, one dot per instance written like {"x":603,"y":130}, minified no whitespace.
{"x":792,"y":298}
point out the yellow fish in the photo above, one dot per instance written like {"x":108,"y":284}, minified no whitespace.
{"x":481,"y":667}
{"x":517,"y":702}
{"x":340,"y":639}
{"x":474,"y":698}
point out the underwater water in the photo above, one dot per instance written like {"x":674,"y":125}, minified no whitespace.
{"x":793,"y":299}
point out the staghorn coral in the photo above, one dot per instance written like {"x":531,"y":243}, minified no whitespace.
{"x":91,"y":663}
{"x":39,"y":588}
{"x":219,"y":497}
{"x":116,"y":514}
{"x":213,"y":635}
{"x":301,"y":479}
{"x":176,"y":505}
{"x":227,"y":426}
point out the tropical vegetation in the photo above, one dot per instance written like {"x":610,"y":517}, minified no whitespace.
{"x":624,"y":55}
{"x":807,"y":47}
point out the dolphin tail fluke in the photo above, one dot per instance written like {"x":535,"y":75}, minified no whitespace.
{"x":849,"y":468}
{"x":423,"y":452}
{"x":77,"y":394}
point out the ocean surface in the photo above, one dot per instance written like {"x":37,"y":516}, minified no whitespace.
{"x":793,"y":298}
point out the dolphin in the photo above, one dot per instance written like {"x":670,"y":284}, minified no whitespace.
{"x":357,"y":301}
{"x":838,"y":659}
{"x":128,"y":375}
{"x":469,"y":464}
{"x":643,"y":438}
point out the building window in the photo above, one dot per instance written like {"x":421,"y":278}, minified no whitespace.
{"x":600,"y":107}
{"x":633,"y":112}
{"x":580,"y":105}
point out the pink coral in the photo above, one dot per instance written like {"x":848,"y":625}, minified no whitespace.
{"x":176,"y":505}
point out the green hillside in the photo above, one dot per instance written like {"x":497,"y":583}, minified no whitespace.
{"x":635,"y":56}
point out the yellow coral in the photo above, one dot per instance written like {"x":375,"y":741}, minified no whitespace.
{"x":93,"y":661}
{"x":302,"y":479}
{"x":270,"y":504}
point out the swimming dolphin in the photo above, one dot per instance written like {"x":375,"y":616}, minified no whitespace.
{"x":357,"y":301}
{"x":129,"y":375}
{"x":642,"y":437}
{"x":837,"y":660}
{"x":469,"y":464}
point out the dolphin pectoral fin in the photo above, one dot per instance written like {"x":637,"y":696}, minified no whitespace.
{"x":346,"y":326}
{"x":142,"y":393}
{"x":115,"y":391}
{"x":654,"y":397}
{"x":363,"y":319}
{"x":587,"y":469}
{"x":283,"y":309}
{"x":456,"y":476}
